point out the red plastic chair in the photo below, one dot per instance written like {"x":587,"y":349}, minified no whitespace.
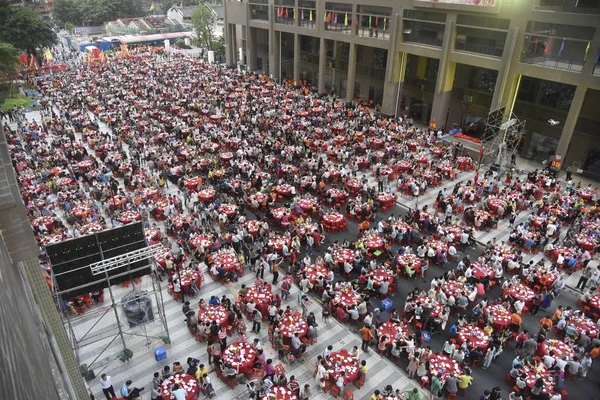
{"x":348,"y":395}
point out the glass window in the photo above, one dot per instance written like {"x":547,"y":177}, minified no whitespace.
{"x":424,"y":15}
{"x":546,"y":93}
{"x":483,"y":22}
{"x":481,"y":41}
{"x":423,"y":32}
{"x":563,"y":31}
{"x":554,"y":52}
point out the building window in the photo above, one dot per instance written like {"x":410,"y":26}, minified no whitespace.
{"x":260,"y":12}
{"x":431,"y":34}
{"x":338,"y":17}
{"x":555,"y":52}
{"x":482,"y":41}
{"x":419,"y":15}
{"x":373,"y":22}
{"x":308,"y":13}
{"x":285,"y":12}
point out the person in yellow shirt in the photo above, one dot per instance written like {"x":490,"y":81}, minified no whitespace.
{"x":376,"y":396}
{"x":201,"y":371}
{"x":464,"y":381}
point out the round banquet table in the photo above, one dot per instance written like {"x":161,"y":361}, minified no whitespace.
{"x":386,"y":199}
{"x":560,"y":348}
{"x":533,"y":372}
{"x":522,"y":292}
{"x":341,"y":255}
{"x":440,"y":363}
{"x":284,"y":190}
{"x":276,"y":243}
{"x":334,"y":219}
{"x":594,"y":302}
{"x":337,"y":195}
{"x":307,"y":204}
{"x":346,"y":297}
{"x":206,"y":195}
{"x":253,"y":227}
{"x":92,"y":227}
{"x":410,"y":259}
{"x":464,"y":163}
{"x":47,"y":221}
{"x":129,"y":216}
{"x":213,"y":313}
{"x":262,"y":297}
{"x":342,"y":361}
{"x":584,"y":241}
{"x":203,"y":240}
{"x":375,"y":243}
{"x":228,"y":209}
{"x":354,"y":185}
{"x":481,"y":271}
{"x":279,"y":393}
{"x":185,"y":381}
{"x":584,"y":324}
{"x":279,"y":212}
{"x":187,"y":276}
{"x":475,"y":335}
{"x":381,"y":274}
{"x":240,"y":356}
{"x":500,"y":316}
{"x":228,"y":261}
{"x":393,"y":330}
{"x":452,"y":288}
{"x":437,"y":307}
{"x":291,"y":324}
{"x":85,"y":165}
{"x":81,"y":212}
{"x":313,"y":272}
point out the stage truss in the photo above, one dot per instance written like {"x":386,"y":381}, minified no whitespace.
{"x":501,"y":138}
{"x":102,"y":335}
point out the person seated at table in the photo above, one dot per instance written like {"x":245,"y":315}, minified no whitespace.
{"x":177,"y":368}
{"x":232,"y":374}
{"x":132,"y":393}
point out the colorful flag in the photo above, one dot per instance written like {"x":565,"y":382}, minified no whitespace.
{"x":355,"y":20}
{"x":278,"y":12}
{"x":597,"y":59}
{"x":562,"y":47}
{"x":346,"y":20}
{"x":377,"y":22}
{"x":328,"y":19}
{"x":302,"y":15}
{"x":310,"y":16}
{"x":535,"y":46}
{"x":384,"y":21}
{"x":335,"y":18}
{"x":293,"y":13}
{"x":48,"y":55}
{"x":587,"y":49}
{"x":547,"y":48}
{"x":152,"y":7}
{"x":286,"y":13}
{"x":369,"y":21}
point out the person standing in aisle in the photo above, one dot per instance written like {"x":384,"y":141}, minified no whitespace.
{"x":107,"y":387}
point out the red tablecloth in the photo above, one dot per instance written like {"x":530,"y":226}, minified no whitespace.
{"x":313,"y":272}
{"x":185,"y":381}
{"x":410,"y":259}
{"x":213,"y":313}
{"x":290,"y":324}
{"x":346,"y":297}
{"x":227,"y":260}
{"x":253,"y":226}
{"x":206,"y":195}
{"x":341,"y":255}
{"x":279,"y":212}
{"x":375,"y":243}
{"x":594,"y":302}
{"x":560,"y":348}
{"x":440,"y":363}
{"x":187,"y":276}
{"x":240,"y":356}
{"x":437,"y":307}
{"x":228,"y":209}
{"x":81,"y":211}
{"x":261,"y":298}
{"x":533,"y":372}
{"x":307,"y":203}
{"x":92,"y":227}
{"x":381,"y":274}
{"x":284,"y":190}
{"x":342,"y":361}
{"x":393,"y":330}
{"x":333,"y":218}
{"x":501,"y":317}
{"x":386,"y":199}
{"x":118,"y":200}
{"x":584,"y":241}
{"x":276,"y":242}
{"x":203,"y":240}
{"x":129,"y":216}
{"x":584,"y":324}
{"x":475,"y":335}
{"x":336,"y":194}
{"x":47,"y":221}
{"x":481,"y":271}
{"x":279,"y":393}
{"x":522,"y":292}
{"x":452,"y":288}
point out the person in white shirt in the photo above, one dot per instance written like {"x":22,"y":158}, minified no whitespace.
{"x":519,"y":305}
{"x":107,"y":387}
{"x":549,"y":359}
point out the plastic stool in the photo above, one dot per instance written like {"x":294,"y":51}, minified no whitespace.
{"x":160,"y":354}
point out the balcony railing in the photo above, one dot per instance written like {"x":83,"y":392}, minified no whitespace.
{"x":468,"y":95}
{"x":428,"y":40}
{"x":554,"y":62}
{"x":463,"y":45}
{"x":260,"y":12}
{"x":285,"y":15}
{"x":338,"y":22}
{"x":307,"y":17}
{"x":427,"y":86}
{"x":374,"y":26}
{"x":370,"y":72}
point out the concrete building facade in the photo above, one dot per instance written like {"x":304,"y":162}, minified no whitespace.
{"x":452,"y":61}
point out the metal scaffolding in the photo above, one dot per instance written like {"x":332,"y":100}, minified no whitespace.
{"x":501,"y":138}
{"x":105,"y":333}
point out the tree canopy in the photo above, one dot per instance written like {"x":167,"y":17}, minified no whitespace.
{"x":9,"y":59}
{"x":24,"y":28}
{"x":204,"y":21}
{"x":95,"y":12}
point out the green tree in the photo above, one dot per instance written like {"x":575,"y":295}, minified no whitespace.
{"x":68,"y":12}
{"x":204,"y":21}
{"x":9,"y":59}
{"x":24,"y":28}
{"x":218,"y":46}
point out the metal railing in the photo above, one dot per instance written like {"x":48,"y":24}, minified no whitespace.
{"x":462,"y":45}
{"x":307,"y":17}
{"x":554,"y":62}
{"x":428,"y":40}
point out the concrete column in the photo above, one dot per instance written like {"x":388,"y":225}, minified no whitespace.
{"x":251,"y":48}
{"x":275,"y":54}
{"x":229,"y":56}
{"x":394,"y":71}
{"x":296,"y":57}
{"x":351,"y":73}
{"x":443,"y":88}
{"x":571,"y":121}
{"x":322,"y":60}
{"x":511,"y":50}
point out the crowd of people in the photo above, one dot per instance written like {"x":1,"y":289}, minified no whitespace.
{"x":235,"y":174}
